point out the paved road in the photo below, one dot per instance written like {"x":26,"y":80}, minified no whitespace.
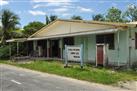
{"x":18,"y":79}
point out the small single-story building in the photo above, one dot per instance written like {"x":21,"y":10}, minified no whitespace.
{"x":105,"y":43}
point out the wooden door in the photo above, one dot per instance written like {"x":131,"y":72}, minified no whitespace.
{"x":100,"y":55}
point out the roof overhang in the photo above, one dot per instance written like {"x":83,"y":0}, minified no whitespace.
{"x":17,"y":40}
{"x":64,"y":35}
{"x":116,"y":27}
{"x":112,"y":24}
{"x":75,"y":34}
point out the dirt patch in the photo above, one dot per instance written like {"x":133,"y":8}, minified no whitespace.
{"x":131,"y":85}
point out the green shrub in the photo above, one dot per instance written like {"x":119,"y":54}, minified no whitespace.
{"x":4,"y":52}
{"x":134,"y":66}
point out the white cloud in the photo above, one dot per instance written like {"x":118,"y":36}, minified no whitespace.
{"x":51,"y":4}
{"x":66,"y":14}
{"x":83,"y":9}
{"x":53,"y":1}
{"x":36,"y":13}
{"x":60,"y":10}
{"x":3,"y":2}
{"x":37,"y":6}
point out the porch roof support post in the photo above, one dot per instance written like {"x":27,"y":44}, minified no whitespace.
{"x":34,"y":48}
{"x":130,"y":48}
{"x":34,"y":45}
{"x":118,"y":48}
{"x":10,"y":51}
{"x":27,"y":49}
{"x":61,"y":48}
{"x":17,"y":48}
{"x":48,"y":48}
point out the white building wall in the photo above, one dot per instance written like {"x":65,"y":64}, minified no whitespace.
{"x":133,"y":49}
{"x":115,"y":57}
{"x":92,"y":48}
{"x":121,"y":56}
{"x":89,"y":44}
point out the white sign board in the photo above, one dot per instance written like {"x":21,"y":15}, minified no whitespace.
{"x":73,"y":53}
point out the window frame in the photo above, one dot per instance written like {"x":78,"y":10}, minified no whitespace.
{"x":106,"y":40}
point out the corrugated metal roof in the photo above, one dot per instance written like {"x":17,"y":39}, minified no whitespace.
{"x":135,"y":22}
{"x":115,"y":24}
{"x":74,"y":34}
{"x":118,"y":24}
{"x":17,"y":40}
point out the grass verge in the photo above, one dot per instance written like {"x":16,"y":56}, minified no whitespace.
{"x":91,"y":74}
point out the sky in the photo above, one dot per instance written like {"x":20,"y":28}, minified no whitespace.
{"x":36,"y":10}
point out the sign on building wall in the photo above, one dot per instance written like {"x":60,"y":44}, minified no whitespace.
{"x":74,"y":53}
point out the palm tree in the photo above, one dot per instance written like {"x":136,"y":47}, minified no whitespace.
{"x":9,"y":20}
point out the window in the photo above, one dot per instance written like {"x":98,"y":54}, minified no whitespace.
{"x":136,"y":40}
{"x":107,"y":39}
{"x":69,"y":41}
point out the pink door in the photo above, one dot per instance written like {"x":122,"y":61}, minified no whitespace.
{"x":100,"y":54}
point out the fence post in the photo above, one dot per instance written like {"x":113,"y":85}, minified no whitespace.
{"x":81,"y":60}
{"x":66,"y":59}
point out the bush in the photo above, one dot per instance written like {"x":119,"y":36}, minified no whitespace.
{"x":134,"y":66}
{"x":4,"y":52}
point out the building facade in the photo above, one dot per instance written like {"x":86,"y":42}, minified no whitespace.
{"x":104,"y":43}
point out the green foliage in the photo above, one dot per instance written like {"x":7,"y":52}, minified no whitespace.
{"x":104,"y":76}
{"x":17,"y":34}
{"x":114,"y":15}
{"x":134,"y":66}
{"x":98,"y":17}
{"x":9,"y":21}
{"x":0,"y":32}
{"x":4,"y":52}
{"x":32,"y":27}
{"x":47,"y":20}
{"x":76,"y":17}
{"x":51,"y":19}
{"x":131,"y":12}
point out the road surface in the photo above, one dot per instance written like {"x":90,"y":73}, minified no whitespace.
{"x":19,"y":79}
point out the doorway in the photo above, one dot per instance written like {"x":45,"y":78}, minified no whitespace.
{"x":55,"y":50}
{"x":100,"y":54}
{"x":42,"y":48}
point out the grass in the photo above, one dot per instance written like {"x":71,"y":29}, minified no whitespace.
{"x":91,"y":74}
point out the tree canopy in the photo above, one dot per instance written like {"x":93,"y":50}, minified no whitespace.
{"x":98,"y":17}
{"x":51,"y":18}
{"x":32,"y":27}
{"x":9,"y":22}
{"x":114,"y":15}
{"x":74,"y":17}
{"x":131,"y":12}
